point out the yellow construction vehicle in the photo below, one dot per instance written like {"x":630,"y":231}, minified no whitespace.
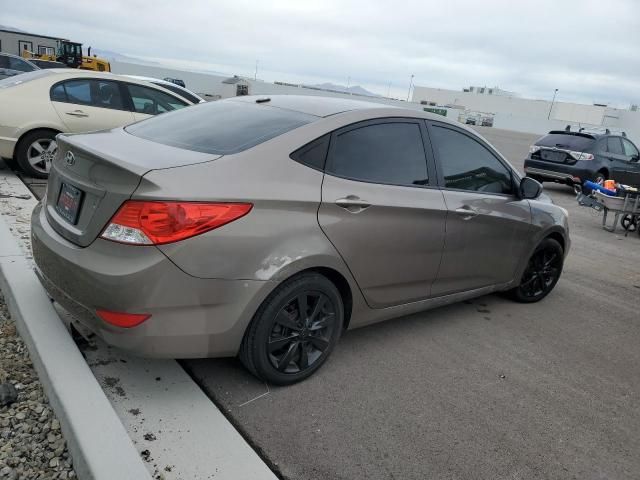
{"x":70,"y":53}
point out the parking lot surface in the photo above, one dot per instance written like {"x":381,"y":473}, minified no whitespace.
{"x":482,"y":389}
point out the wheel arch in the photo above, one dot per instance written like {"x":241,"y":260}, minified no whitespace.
{"x":27,"y":132}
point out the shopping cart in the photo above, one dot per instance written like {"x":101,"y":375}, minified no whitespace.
{"x":625,"y":207}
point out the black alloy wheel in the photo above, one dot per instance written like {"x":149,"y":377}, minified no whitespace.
{"x":294,"y":330}
{"x":541,"y":273}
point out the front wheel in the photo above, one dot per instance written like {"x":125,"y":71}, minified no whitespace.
{"x":294,"y":330}
{"x":541,"y":274}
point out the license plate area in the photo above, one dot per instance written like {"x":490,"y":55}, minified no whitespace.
{"x":553,"y":156}
{"x":68,"y":204}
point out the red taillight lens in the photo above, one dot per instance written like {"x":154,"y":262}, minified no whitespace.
{"x":124,"y":320}
{"x":155,"y":223}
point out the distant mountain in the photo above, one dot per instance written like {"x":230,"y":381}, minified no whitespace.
{"x":118,"y":57}
{"x":356,"y":89}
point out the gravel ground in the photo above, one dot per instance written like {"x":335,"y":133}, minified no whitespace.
{"x":31,"y":443}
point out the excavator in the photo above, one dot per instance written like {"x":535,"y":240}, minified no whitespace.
{"x":70,"y":53}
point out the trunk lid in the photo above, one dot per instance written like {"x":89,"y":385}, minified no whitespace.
{"x":93,"y":174}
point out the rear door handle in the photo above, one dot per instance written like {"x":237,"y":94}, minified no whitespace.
{"x":77,"y":113}
{"x":466,"y":212}
{"x":353,"y":203}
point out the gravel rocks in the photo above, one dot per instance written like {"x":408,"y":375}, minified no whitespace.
{"x":31,"y":443}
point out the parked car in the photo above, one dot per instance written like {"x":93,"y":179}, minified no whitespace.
{"x":470,"y":121}
{"x":47,"y":63}
{"x":178,"y":90}
{"x":265,"y":227}
{"x":41,"y":104}
{"x":11,"y":65}
{"x":572,"y":157}
{"x":175,"y":81}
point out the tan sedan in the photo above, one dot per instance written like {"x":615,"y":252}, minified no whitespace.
{"x":36,"y":106}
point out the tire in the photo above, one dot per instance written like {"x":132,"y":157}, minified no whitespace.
{"x":600,"y":177}
{"x":538,"y":179}
{"x":279,"y":347}
{"x":35,"y":152}
{"x":541,"y":274}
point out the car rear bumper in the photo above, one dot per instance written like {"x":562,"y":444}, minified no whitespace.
{"x":7,"y":147}
{"x":190,"y":317}
{"x":560,"y":172}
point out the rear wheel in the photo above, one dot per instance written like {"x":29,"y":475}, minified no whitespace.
{"x":541,"y":274}
{"x":600,"y":177}
{"x":294,"y":330}
{"x":35,"y":152}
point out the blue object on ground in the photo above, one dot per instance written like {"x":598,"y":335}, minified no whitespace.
{"x":590,"y":186}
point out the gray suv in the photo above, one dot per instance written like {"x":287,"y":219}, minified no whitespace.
{"x":265,"y":227}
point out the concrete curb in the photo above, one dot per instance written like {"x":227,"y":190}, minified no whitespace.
{"x":98,"y":443}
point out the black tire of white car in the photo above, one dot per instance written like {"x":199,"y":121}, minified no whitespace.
{"x":46,"y":140}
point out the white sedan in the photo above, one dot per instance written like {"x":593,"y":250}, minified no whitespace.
{"x":36,"y":106}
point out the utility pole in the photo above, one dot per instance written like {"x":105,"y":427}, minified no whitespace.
{"x":348,"y":85}
{"x":255,"y":75}
{"x":552,"y":102}
{"x":389,"y":90}
{"x":410,"y":85}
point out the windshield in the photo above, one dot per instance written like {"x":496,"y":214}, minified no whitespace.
{"x":577,"y":143}
{"x":221,"y":128}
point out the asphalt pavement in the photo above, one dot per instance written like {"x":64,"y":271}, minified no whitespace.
{"x":486,"y":389}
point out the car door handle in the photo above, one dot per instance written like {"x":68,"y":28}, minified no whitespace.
{"x":466,"y":212}
{"x":353,"y":203}
{"x":77,"y":113}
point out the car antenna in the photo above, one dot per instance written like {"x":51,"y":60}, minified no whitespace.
{"x":263,"y":100}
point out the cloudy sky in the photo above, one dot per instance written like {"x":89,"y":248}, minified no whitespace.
{"x":588,"y":49}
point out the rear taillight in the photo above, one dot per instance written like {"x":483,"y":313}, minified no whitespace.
{"x":155,"y":223}
{"x":582,"y":155}
{"x":123,"y":320}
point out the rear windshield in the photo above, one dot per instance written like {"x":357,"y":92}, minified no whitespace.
{"x":222,"y":127}
{"x":576,"y":143}
{"x":23,"y":78}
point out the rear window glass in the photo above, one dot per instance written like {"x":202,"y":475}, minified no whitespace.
{"x":222,"y":128}
{"x":569,"y":142}
{"x":23,"y":78}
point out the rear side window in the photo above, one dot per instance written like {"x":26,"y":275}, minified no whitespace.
{"x":391,"y":153}
{"x":20,"y":65}
{"x":151,"y":101}
{"x":468,"y":165}
{"x":221,"y":128}
{"x":313,"y":154}
{"x":575,"y":143}
{"x":614,"y":145}
{"x":83,"y":91}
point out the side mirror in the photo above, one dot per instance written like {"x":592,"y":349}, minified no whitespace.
{"x":530,"y":188}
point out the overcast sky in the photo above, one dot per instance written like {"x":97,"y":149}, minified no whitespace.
{"x":588,"y":49}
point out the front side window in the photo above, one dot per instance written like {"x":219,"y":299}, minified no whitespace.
{"x":180,"y":92}
{"x":152,"y":102}
{"x":466,"y":164}
{"x":614,"y":145}
{"x":94,"y":93}
{"x":629,"y":149}
{"x":391,"y":153}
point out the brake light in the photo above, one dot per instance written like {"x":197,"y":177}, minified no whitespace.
{"x":582,"y":155}
{"x":124,"y":320}
{"x":155,"y":223}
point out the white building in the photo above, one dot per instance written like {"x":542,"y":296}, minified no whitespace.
{"x":533,"y":116}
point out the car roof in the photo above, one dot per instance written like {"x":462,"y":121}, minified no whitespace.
{"x":321,"y":106}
